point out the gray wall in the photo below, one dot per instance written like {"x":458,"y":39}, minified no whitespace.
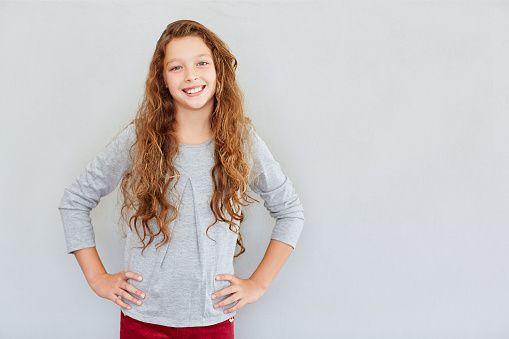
{"x":391,"y":119}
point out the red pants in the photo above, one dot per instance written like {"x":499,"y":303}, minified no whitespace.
{"x":134,"y":329}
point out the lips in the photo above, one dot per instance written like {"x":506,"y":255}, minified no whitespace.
{"x":193,"y":89}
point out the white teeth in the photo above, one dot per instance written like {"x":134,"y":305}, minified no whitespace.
{"x":194,"y":90}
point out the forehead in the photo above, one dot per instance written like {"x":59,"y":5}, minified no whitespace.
{"x":185,"y":48}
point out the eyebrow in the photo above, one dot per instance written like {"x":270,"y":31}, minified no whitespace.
{"x":197,"y":56}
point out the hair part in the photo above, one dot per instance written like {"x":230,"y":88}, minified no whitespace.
{"x":154,"y":177}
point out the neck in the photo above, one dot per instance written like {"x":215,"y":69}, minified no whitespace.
{"x":193,"y":126}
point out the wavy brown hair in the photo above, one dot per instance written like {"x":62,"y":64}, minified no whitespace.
{"x":153,"y":175}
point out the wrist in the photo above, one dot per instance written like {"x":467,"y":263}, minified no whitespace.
{"x":90,"y":264}
{"x":93,"y":278}
{"x":260,"y":283}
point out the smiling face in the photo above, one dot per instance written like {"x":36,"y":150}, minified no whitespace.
{"x":190,"y":75}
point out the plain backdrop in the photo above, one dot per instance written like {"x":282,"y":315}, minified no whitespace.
{"x":390,"y":118}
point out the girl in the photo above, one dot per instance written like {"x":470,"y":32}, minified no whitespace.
{"x":184,"y":165}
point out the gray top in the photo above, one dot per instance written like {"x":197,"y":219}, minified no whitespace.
{"x":179,"y":278}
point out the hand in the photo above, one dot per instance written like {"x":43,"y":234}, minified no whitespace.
{"x":244,"y":291}
{"x":111,"y":286}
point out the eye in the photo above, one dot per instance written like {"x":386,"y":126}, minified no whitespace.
{"x":202,"y":63}
{"x":175,"y":68}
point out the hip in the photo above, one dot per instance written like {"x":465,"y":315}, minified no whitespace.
{"x":131,"y":328}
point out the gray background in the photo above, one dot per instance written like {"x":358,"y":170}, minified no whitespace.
{"x":390,"y":118}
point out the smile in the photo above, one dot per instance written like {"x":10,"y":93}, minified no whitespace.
{"x":193,"y":90}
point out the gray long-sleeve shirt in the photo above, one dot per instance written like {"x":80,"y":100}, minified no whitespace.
{"x":179,"y":278}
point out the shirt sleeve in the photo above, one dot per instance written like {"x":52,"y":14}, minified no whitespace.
{"x":100,"y":177}
{"x":278,"y":193}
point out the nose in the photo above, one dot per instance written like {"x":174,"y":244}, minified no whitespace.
{"x":191,"y":75}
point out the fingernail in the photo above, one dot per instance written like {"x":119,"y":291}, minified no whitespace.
{"x":218,"y":278}
{"x":128,"y":307}
{"x":216,"y":306}
{"x":139,"y":302}
{"x":213,"y":296}
{"x":225,"y":311}
{"x":143,"y":295}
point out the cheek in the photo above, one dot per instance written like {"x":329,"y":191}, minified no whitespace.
{"x":173,"y":85}
{"x":210,"y":75}
{"x":173,"y":92}
{"x":212,"y":79}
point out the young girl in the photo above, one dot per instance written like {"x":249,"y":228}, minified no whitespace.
{"x":184,"y":165}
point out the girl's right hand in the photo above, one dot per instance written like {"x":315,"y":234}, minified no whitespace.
{"x":113,"y":286}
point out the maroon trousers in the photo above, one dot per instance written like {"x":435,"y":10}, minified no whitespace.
{"x":134,"y":329}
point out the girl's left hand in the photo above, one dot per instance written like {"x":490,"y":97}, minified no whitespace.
{"x":244,"y":291}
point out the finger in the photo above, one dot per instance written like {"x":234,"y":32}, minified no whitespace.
{"x":130,"y":288}
{"x":120,"y":303}
{"x":227,"y":290}
{"x":236,"y":307}
{"x":227,"y":301}
{"x":129,"y":297}
{"x":228,"y":277}
{"x":132,"y":275}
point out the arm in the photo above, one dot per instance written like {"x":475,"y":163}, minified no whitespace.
{"x":275,"y":257}
{"x":283,"y":204}
{"x":247,"y":291}
{"x":99,"y":178}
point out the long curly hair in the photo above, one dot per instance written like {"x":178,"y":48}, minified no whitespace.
{"x":153,"y":175}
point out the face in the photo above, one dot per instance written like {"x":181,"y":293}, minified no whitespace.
{"x":190,"y":75}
